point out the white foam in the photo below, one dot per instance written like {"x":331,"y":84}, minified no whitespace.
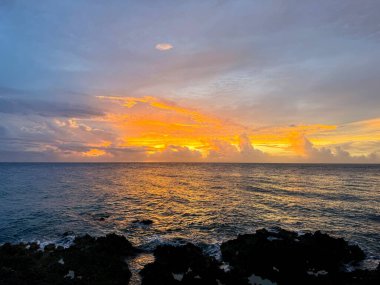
{"x":257,"y":280}
{"x":273,"y":238}
{"x":225,"y":267}
{"x":65,"y":242}
{"x":70,"y":274}
{"x":318,"y":273}
{"x":178,"y":276}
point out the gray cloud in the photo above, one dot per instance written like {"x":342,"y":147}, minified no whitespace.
{"x":3,"y":131}
{"x":45,"y":108}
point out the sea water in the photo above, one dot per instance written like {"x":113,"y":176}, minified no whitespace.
{"x":198,"y":202}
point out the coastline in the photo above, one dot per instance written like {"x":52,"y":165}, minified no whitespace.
{"x":264,"y":257}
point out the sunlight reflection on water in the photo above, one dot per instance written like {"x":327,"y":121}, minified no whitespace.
{"x":203,"y":203}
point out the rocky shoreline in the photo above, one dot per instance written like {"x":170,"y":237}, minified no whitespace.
{"x":264,"y":257}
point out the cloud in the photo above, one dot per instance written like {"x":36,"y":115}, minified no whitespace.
{"x":336,"y":155}
{"x":164,"y":46}
{"x":176,"y":154}
{"x":224,"y":151}
{"x":154,"y":129}
{"x":3,"y":131}
{"x":254,"y":61}
{"x":42,"y":108}
{"x":94,"y":152}
{"x":251,"y":81}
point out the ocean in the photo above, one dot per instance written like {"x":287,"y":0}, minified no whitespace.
{"x":198,"y":202}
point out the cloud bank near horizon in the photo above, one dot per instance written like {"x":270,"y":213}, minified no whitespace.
{"x":157,"y":130}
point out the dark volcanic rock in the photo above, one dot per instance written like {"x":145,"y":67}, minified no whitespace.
{"x":283,"y":257}
{"x":87,"y":261}
{"x":288,"y":258}
{"x":68,"y":233}
{"x":101,"y":216}
{"x":143,"y":222}
{"x":181,"y":265}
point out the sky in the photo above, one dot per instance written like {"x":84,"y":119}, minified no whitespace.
{"x":208,"y":81}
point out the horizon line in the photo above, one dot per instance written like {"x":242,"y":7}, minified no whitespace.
{"x":183,"y":162}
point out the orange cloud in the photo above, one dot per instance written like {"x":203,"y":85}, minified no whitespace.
{"x":156,"y":123}
{"x":101,"y":144}
{"x":153,"y":129}
{"x":164,"y":46}
{"x":93,"y":153}
{"x":287,"y":140}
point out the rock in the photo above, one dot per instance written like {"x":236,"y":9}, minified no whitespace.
{"x":115,"y":244}
{"x":49,"y":247}
{"x":366,"y":277}
{"x":280,"y":257}
{"x":88,"y":261}
{"x":155,"y":273}
{"x":143,"y":222}
{"x":286,"y":257}
{"x":68,"y":233}
{"x":181,"y":265}
{"x":101,"y":216}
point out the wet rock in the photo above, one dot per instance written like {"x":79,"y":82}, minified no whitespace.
{"x":49,"y":247}
{"x":288,"y":258}
{"x":146,"y":222}
{"x":367,"y":277}
{"x":68,"y":233}
{"x":266,"y":257}
{"x":101,"y":216}
{"x":88,"y":261}
{"x":181,"y":265}
{"x":280,"y":257}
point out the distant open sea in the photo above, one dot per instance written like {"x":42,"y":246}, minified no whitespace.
{"x":202,"y":203}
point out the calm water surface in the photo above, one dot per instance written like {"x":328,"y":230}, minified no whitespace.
{"x":202,"y":203}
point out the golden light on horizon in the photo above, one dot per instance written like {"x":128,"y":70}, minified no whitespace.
{"x":153,"y":129}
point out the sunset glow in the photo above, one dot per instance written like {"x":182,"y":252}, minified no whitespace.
{"x":189,"y":142}
{"x":159,"y":84}
{"x":153,"y":129}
